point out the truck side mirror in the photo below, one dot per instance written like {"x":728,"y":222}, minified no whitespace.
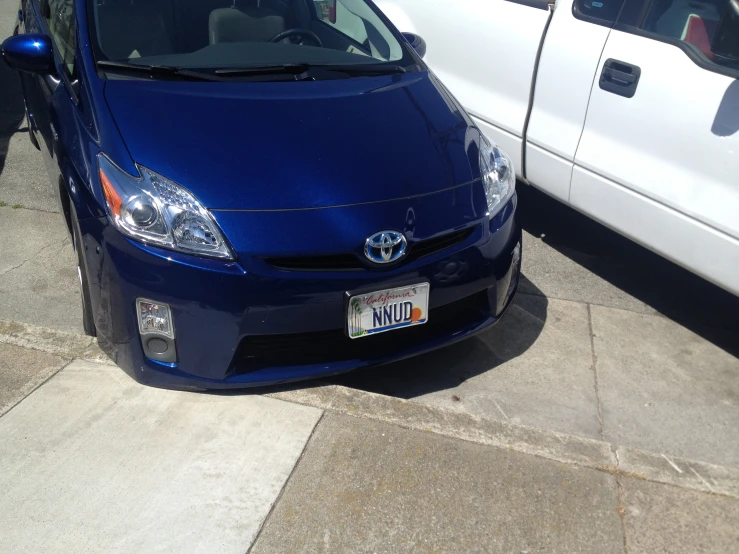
{"x":418,"y":44}
{"x":726,"y":40}
{"x":32,"y":53}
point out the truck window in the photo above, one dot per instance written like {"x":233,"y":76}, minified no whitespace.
{"x":601,"y":11}
{"x":705,"y":29}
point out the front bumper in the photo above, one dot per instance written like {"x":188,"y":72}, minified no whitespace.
{"x":248,"y":323}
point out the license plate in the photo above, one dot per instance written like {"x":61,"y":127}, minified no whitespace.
{"x":387,"y":310}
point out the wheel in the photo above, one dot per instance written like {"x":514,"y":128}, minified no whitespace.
{"x":88,"y":322}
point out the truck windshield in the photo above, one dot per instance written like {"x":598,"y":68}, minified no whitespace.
{"x":211,"y":34}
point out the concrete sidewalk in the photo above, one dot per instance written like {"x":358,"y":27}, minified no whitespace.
{"x":92,"y":461}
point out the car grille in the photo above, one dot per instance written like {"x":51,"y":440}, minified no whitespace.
{"x":350,"y":262}
{"x":257,"y":352}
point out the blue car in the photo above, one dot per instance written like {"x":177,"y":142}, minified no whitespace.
{"x":262,"y":191}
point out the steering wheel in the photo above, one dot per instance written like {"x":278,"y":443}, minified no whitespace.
{"x":303,"y":33}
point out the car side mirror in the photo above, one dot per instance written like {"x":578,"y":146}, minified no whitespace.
{"x":32,"y":53}
{"x":726,"y":40}
{"x":418,"y":44}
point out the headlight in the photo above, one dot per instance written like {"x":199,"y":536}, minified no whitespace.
{"x":498,"y":176}
{"x":154,"y":210}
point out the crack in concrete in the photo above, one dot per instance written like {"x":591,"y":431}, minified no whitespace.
{"x":620,"y":506}
{"x":595,"y":374}
{"x":24,"y":262}
{"x":29,"y":208}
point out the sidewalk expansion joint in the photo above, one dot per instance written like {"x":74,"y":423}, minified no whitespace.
{"x":34,"y":389}
{"x":287,"y":482}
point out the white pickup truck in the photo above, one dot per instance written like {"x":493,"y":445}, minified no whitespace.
{"x":627,"y":110}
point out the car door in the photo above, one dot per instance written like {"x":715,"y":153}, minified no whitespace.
{"x":659,"y":155}
{"x":47,"y":95}
{"x":485,"y":52}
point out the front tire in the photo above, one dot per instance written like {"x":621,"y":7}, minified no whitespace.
{"x":88,"y":321}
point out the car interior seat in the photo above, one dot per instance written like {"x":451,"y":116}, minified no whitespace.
{"x":675,"y":19}
{"x":245,"y":21}
{"x":130,"y":30}
{"x":699,"y":33}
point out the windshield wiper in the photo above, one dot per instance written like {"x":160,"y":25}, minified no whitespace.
{"x":155,"y":70}
{"x":286,"y":69}
{"x":305,"y":71}
{"x":295,"y":71}
{"x":365,"y":68}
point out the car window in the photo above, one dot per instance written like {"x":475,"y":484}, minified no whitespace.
{"x":335,"y":13}
{"x":353,"y":19}
{"x":708,"y":28}
{"x":60,"y":18}
{"x":209,"y":34}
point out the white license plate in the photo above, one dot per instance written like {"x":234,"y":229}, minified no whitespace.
{"x":387,"y":310}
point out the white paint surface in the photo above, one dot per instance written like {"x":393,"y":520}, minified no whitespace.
{"x":94,"y":462}
{"x":703,"y":250}
{"x":568,"y":65}
{"x":666,"y":141}
{"x":675,"y":142}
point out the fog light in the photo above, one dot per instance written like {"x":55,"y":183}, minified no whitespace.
{"x":155,"y":318}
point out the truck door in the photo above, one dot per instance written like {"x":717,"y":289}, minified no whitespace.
{"x":567,"y":68}
{"x":485,"y":51}
{"x":659,"y":155}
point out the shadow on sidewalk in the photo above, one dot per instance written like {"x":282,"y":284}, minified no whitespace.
{"x":11,"y":109}
{"x":448,"y":367}
{"x":678,"y":294}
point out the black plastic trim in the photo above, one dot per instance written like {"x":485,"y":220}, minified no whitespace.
{"x":619,"y":78}
{"x":350,"y":262}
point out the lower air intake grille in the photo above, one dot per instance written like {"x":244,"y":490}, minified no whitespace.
{"x":257,"y":352}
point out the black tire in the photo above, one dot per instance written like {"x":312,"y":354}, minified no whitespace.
{"x":88,"y":321}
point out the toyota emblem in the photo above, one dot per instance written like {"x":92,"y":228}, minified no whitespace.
{"x":385,"y":247}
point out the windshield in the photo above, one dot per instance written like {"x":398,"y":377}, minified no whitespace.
{"x":218,"y":34}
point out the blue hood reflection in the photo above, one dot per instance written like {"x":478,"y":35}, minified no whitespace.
{"x":292,"y":145}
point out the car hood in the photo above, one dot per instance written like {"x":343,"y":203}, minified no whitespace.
{"x":296,"y":145}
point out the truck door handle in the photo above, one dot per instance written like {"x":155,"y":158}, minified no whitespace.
{"x":620,"y":78}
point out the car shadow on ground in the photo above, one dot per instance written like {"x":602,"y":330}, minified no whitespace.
{"x":672,"y":291}
{"x":12,"y":111}
{"x":448,"y":367}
